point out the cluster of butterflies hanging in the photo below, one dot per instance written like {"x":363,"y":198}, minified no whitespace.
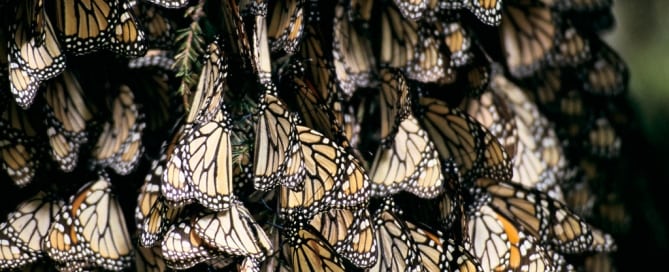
{"x":305,"y":135}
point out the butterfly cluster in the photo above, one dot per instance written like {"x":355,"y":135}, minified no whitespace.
{"x":305,"y":135}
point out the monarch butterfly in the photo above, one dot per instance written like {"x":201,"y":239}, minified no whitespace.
{"x":433,"y":11}
{"x":315,"y":54}
{"x":207,"y":161}
{"x":363,"y":246}
{"x":119,"y":145}
{"x":234,"y":232}
{"x":319,"y":74}
{"x":67,"y":115}
{"x":350,"y":232}
{"x":430,"y":247}
{"x":206,"y":103}
{"x":563,"y":102}
{"x":313,"y":108}
{"x":347,"y":116}
{"x":396,"y":46}
{"x":494,"y":114}
{"x":260,"y":52}
{"x":285,"y":25}
{"x":249,"y":264}
{"x":173,"y":181}
{"x":353,"y":57}
{"x":539,"y":161}
{"x":470,"y":79}
{"x":128,"y":37}
{"x":475,"y":76}
{"x":307,"y":250}
{"x":409,"y":162}
{"x":12,"y":255}
{"x":154,"y":58}
{"x":278,"y":158}
{"x":411,"y":9}
{"x":545,"y":218}
{"x":573,"y":49}
{"x":460,"y":138}
{"x":559,"y":261}
{"x":397,"y":251}
{"x":573,"y":108}
{"x":208,"y":96}
{"x":334,"y":178}
{"x":501,"y":245}
{"x":429,"y":64}
{"x":149,"y":192}
{"x":551,"y":153}
{"x":274,"y":261}
{"x":406,"y":158}
{"x":174,"y":4}
{"x":159,"y":29}
{"x":528,"y":33}
{"x":438,"y":253}
{"x":156,"y":221}
{"x":152,"y":214}
{"x":232,"y":24}
{"x":268,"y":220}
{"x":606,"y":73}
{"x":460,"y":258}
{"x":488,"y":12}
{"x":394,"y":101}
{"x":34,"y":52}
{"x":602,"y":138}
{"x":182,"y":248}
{"x":22,"y":234}
{"x":18,"y":144}
{"x":490,"y":243}
{"x":458,"y":41}
{"x":90,"y":231}
{"x":199,"y":158}
{"x":105,"y":24}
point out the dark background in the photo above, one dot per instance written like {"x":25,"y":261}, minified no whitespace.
{"x":641,"y":37}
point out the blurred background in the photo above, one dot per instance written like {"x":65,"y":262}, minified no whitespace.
{"x":641,"y":37}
